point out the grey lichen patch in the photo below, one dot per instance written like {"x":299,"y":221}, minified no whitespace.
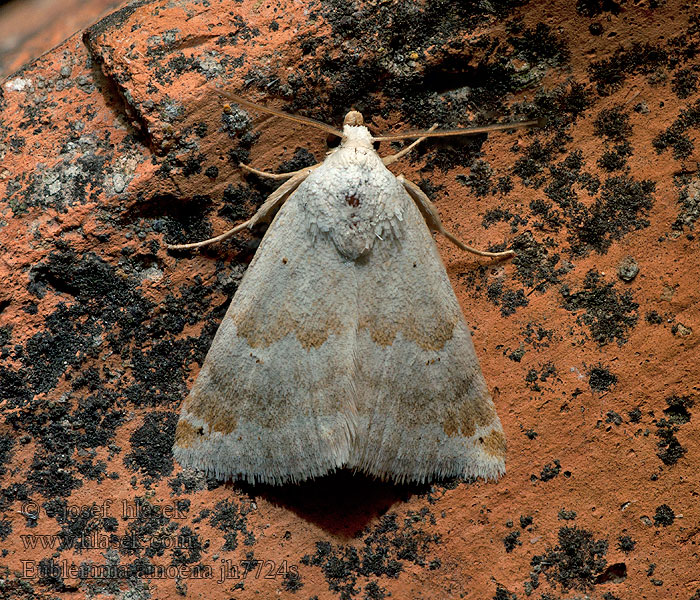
{"x":689,"y":203}
{"x":77,"y":178}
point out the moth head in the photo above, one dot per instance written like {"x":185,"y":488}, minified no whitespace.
{"x":354,"y":117}
{"x":354,"y":131}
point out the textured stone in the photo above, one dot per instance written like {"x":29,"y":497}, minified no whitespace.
{"x":115,"y":142}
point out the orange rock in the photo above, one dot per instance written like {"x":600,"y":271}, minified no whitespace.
{"x":115,"y":143}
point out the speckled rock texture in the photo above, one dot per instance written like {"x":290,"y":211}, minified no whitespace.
{"x":115,"y":143}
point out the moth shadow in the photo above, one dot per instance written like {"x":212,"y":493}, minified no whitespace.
{"x":342,"y":503}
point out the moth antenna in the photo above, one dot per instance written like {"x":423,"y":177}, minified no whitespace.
{"x":279,"y":113}
{"x":462,"y":130}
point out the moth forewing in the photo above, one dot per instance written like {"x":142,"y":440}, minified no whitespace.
{"x":344,"y":345}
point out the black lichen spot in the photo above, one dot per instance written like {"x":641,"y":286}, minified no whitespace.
{"x":151,"y":445}
{"x":538,"y":44}
{"x":615,"y":159}
{"x":592,"y":8}
{"x":677,"y":411}
{"x":60,"y":428}
{"x":609,"y":74}
{"x":550,"y":470}
{"x":100,"y":296}
{"x":621,"y":208}
{"x":13,"y":493}
{"x":76,"y":526}
{"x":50,"y":575}
{"x":232,"y":519}
{"x":192,"y":164}
{"x":536,"y":157}
{"x":441,"y":89}
{"x":626,"y":543}
{"x":653,"y":318}
{"x":459,"y":153}
{"x":613,"y":418}
{"x":567,"y":515}
{"x":181,"y":222}
{"x":16,"y":143}
{"x":291,"y":581}
{"x":512,"y":540}
{"x":496,"y":215}
{"x":676,"y":136}
{"x":670,"y":449}
{"x":664,"y":516}
{"x":6,"y":444}
{"x":504,"y":184}
{"x":549,"y":217}
{"x":564,"y":176}
{"x":533,"y":378}
{"x":479,"y":178}
{"x":560,"y":106}
{"x":536,"y":267}
{"x":503,"y":593}
{"x":537,"y":336}
{"x":373,"y":591}
{"x":387,"y":547}
{"x":5,"y":528}
{"x":609,"y":315}
{"x":517,"y":355}
{"x":509,"y":299}
{"x":237,"y":200}
{"x":635,"y":415}
{"x":525,"y":521}
{"x":180,"y":63}
{"x":613,"y":124}
{"x":235,"y":121}
{"x":601,"y":379}
{"x":302,"y":158}
{"x":576,"y":561}
{"x":149,"y":530}
{"x":684,"y":83}
{"x":189,"y":547}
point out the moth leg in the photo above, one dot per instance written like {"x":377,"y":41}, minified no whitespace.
{"x":392,"y":158}
{"x":432,"y":218}
{"x":264,"y":214}
{"x":278,"y":176}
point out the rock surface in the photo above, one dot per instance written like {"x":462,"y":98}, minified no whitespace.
{"x":115,"y":143}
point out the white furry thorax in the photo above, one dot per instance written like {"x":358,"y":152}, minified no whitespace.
{"x":353,"y":198}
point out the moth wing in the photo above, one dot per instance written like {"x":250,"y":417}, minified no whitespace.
{"x":424,"y":409}
{"x":273,"y":401}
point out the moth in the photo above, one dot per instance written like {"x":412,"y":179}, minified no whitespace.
{"x":344,"y":345}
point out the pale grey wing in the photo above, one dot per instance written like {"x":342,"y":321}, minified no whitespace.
{"x":273,"y":401}
{"x":424,"y":409}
